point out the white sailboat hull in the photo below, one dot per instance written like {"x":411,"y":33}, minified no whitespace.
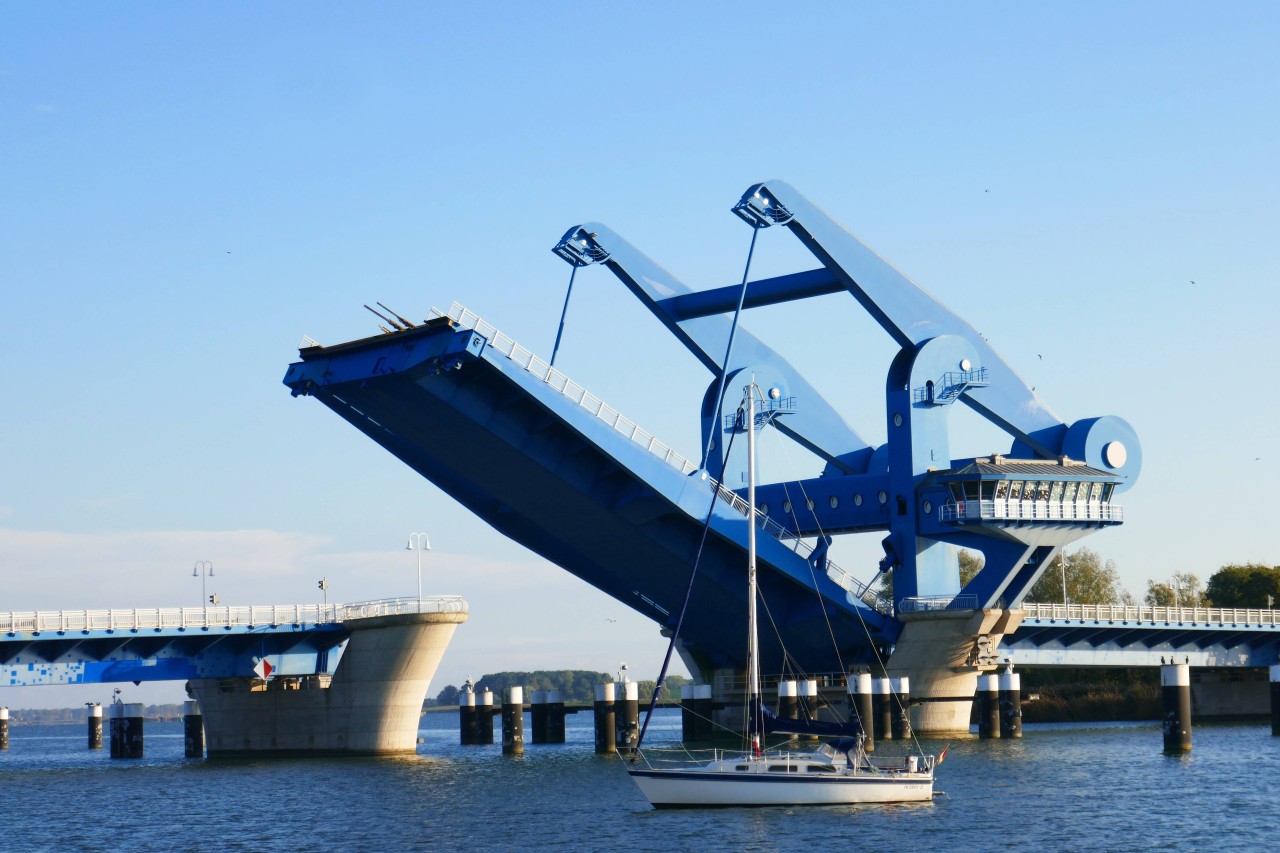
{"x":719,"y":784}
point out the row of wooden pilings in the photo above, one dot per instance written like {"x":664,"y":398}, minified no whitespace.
{"x":616,"y":711}
{"x":126,"y":730}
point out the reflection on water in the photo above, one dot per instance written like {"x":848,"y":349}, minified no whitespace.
{"x":1098,"y":787}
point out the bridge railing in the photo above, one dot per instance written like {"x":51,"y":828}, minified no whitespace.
{"x":1010,"y":510}
{"x":504,"y":344}
{"x":138,"y":619}
{"x":1157,"y":615}
{"x":927,"y":603}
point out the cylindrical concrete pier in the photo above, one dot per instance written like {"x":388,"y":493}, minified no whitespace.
{"x":193,"y":729}
{"x":989,"y":706}
{"x":95,"y":727}
{"x":538,"y":716}
{"x":627,"y":714}
{"x":513,"y":721}
{"x":468,"y":731}
{"x":808,"y":700}
{"x":702,"y":712}
{"x":126,"y":730}
{"x":882,"y":708}
{"x":788,"y":707}
{"x":606,"y":738}
{"x":859,"y":687}
{"x":1010,"y":703}
{"x":4,"y":728}
{"x":688,"y":726}
{"x":1275,"y":699}
{"x":484,"y":717}
{"x":900,"y":696}
{"x":555,"y":716}
{"x":1175,"y":695}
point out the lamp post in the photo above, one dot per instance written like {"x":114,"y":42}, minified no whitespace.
{"x":1062,"y":564}
{"x":1175,"y":587}
{"x":203,"y":569}
{"x":419,"y":542}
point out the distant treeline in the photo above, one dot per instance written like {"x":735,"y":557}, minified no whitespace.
{"x":575,"y":685}
{"x":79,"y":715}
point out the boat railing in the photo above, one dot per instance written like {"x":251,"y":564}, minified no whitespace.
{"x":1110,"y":613}
{"x":466,"y":318}
{"x":221,"y":616}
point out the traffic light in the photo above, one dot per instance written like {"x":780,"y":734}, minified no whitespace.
{"x":324,"y":584}
{"x":213,"y":599}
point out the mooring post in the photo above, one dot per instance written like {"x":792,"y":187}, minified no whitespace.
{"x":1275,"y":699}
{"x":688,"y":727}
{"x":538,"y":716}
{"x":989,"y":706}
{"x":468,"y":731}
{"x":193,"y":729}
{"x":859,"y":687}
{"x":882,"y":709}
{"x":513,"y":721}
{"x":4,"y":728}
{"x":1175,"y":695}
{"x":1010,"y":703}
{"x":95,"y":726}
{"x":484,"y":717}
{"x":702,"y":712}
{"x":808,"y":701}
{"x":788,"y":707}
{"x":126,"y":730}
{"x":555,"y":716}
{"x":900,"y":690}
{"x":627,"y":709}
{"x":605,"y":737}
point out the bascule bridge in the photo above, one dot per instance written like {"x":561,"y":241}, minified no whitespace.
{"x":547,"y":463}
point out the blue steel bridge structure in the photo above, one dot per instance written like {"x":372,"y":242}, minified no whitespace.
{"x":550,"y":465}
{"x":547,"y":463}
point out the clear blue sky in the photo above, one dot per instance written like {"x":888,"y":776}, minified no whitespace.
{"x":187,"y":189}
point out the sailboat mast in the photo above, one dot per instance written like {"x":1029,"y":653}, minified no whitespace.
{"x":753,"y":648}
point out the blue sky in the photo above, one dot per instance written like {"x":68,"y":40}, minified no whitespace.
{"x":186,"y":190}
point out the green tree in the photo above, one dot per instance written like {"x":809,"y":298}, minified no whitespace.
{"x":1089,"y":580}
{"x":1244,"y":585}
{"x":1183,"y":589}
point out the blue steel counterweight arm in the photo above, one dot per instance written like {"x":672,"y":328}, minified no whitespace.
{"x":817,"y":426}
{"x":912,"y":316}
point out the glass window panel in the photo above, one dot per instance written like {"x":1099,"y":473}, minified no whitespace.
{"x":1002,"y":489}
{"x":1015,"y":490}
{"x":1055,"y":491}
{"x":1043,"y":492}
{"x":1069,"y":493}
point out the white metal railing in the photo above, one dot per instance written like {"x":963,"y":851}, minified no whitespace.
{"x":157,"y":618}
{"x":925,"y":603}
{"x":1154,"y":615}
{"x":467,"y":318}
{"x":1007,"y":510}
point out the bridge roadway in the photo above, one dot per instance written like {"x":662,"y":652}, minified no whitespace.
{"x":170,"y":644}
{"x":178,"y":644}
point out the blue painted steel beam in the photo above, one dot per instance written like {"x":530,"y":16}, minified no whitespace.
{"x":760,"y":293}
{"x":818,"y":427}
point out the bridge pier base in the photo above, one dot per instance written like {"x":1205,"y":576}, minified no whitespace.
{"x":372,"y":704}
{"x":943,"y":652}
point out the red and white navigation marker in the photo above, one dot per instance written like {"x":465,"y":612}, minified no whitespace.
{"x":263,"y":669}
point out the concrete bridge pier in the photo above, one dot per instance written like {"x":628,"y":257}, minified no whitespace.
{"x":943,"y":652}
{"x":372,"y":704}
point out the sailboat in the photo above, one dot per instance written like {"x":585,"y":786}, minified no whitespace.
{"x":838,"y":772}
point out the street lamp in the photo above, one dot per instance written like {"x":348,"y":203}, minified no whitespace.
{"x":1176,"y":586}
{"x":420,"y":543}
{"x":203,"y":569}
{"x":1062,"y":564}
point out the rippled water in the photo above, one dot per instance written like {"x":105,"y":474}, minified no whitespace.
{"x":1102,"y":787}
